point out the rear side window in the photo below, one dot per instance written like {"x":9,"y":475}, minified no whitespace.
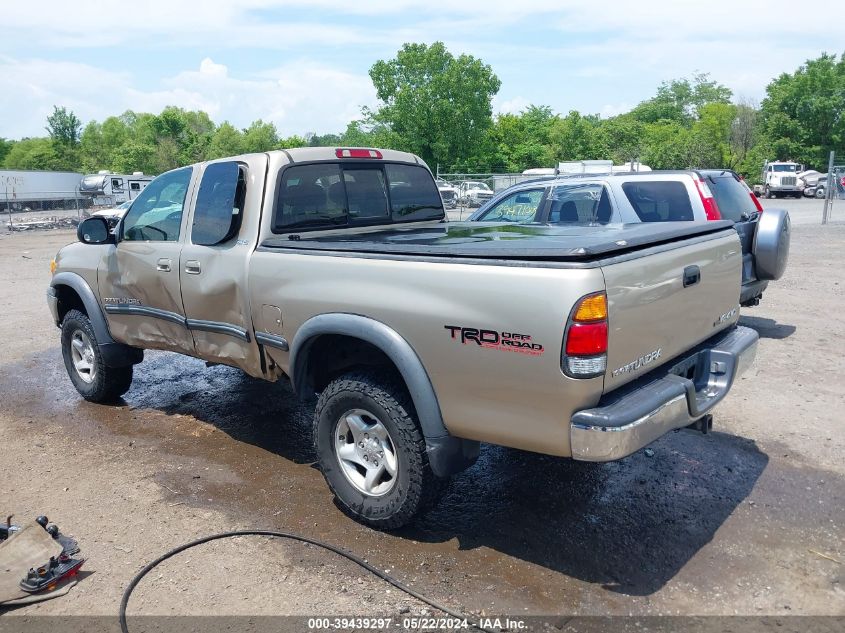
{"x":659,"y":201}
{"x":733,"y":198}
{"x":220,"y":202}
{"x":330,"y":194}
{"x":579,"y":204}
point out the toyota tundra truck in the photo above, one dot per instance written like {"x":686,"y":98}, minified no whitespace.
{"x":336,"y":270}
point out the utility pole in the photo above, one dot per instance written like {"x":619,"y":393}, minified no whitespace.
{"x":828,"y":190}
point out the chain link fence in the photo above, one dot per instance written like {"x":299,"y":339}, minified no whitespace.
{"x":44,"y":210}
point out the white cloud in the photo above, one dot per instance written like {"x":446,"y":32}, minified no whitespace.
{"x":591,"y":56}
{"x":298,"y":97}
{"x":612,"y":109}
{"x":510,"y":106}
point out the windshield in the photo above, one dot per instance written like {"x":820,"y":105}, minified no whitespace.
{"x":784,"y":167}
{"x":732,"y":196}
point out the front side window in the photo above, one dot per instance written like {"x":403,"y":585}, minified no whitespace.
{"x":220,"y":202}
{"x":659,"y":201}
{"x":156,"y":214}
{"x":520,"y":206}
{"x":584,"y":204}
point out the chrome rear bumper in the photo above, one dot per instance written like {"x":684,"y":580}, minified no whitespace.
{"x":637,"y":414}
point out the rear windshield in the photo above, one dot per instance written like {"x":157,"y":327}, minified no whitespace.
{"x":322,"y":195}
{"x":659,"y":201}
{"x":731,"y":195}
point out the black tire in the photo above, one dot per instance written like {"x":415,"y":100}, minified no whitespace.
{"x":769,"y":194}
{"x":105,"y":384}
{"x":415,"y":487}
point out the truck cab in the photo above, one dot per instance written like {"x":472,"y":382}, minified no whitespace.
{"x":780,"y":178}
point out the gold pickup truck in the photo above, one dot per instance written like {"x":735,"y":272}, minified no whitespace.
{"x":337,"y":270}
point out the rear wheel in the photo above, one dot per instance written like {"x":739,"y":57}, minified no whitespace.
{"x":93,"y":379}
{"x":372,"y":452}
{"x":820,"y":192}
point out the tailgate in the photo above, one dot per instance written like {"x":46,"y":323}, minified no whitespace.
{"x":658,"y":310}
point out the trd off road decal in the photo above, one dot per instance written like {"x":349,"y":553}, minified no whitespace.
{"x":505,"y":341}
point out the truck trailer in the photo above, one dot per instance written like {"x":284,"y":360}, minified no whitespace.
{"x":32,"y":190}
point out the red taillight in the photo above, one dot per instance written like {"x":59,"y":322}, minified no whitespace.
{"x":711,"y":209}
{"x":587,"y":339}
{"x":584,"y":352}
{"x":357,"y":152}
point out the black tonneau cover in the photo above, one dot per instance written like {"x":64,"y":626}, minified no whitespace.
{"x":500,"y":241}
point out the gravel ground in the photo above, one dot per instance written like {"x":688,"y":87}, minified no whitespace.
{"x":748,"y":520}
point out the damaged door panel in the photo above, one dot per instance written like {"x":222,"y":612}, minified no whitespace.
{"x":139,"y":278}
{"x":214,"y":262}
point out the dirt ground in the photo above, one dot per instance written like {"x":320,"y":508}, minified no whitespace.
{"x":748,"y":520}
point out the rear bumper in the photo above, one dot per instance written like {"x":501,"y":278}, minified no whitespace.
{"x":680,"y":393}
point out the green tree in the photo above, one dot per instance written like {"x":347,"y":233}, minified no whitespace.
{"x":260,"y":137}
{"x":324,"y":140}
{"x":227,"y":140}
{"x":681,"y":99}
{"x":64,"y":127}
{"x":437,"y":105}
{"x":5,"y":148}
{"x":620,"y":138}
{"x":293,"y":140}
{"x":522,"y":141}
{"x":33,"y":153}
{"x":803,"y":112}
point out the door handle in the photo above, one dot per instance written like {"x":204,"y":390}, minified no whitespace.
{"x":163,"y":265}
{"x":692,"y":275}
{"x":192,"y":267}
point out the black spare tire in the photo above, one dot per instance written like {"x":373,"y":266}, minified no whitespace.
{"x":771,"y":244}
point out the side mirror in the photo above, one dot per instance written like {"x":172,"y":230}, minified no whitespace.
{"x":94,"y":230}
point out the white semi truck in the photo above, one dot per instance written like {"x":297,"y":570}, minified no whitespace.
{"x":780,"y":178}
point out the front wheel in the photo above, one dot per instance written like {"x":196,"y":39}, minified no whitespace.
{"x":769,"y":193}
{"x":93,"y":379}
{"x":820,"y":192}
{"x":371,"y":450}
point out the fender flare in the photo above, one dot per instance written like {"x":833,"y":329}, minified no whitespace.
{"x":92,"y":306}
{"x":447,"y":454}
{"x":114,"y":354}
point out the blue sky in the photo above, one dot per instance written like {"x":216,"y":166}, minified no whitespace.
{"x":302,"y":64}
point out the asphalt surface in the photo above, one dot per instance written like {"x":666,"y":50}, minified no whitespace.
{"x":747,"y":520}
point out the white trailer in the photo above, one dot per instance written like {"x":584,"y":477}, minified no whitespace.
{"x":22,"y":189}
{"x":107,"y":188}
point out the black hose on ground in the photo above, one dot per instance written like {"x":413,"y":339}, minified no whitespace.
{"x":124,"y":602}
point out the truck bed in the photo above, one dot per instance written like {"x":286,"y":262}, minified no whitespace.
{"x":498,"y":241}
